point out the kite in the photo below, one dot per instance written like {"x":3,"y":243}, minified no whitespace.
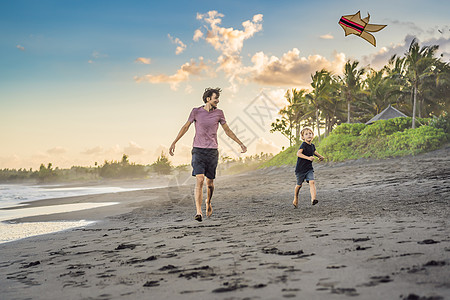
{"x":353,"y":24}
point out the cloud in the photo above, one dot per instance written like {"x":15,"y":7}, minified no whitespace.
{"x":133,"y":149}
{"x":182,"y":153}
{"x":143,"y":60}
{"x":57,"y":151}
{"x":265,"y":146}
{"x":288,"y":70}
{"x":381,"y":58}
{"x":228,"y":41}
{"x":181,"y":46}
{"x":276,"y":96}
{"x":198,"y":34}
{"x":20,"y":47}
{"x":95,"y":56}
{"x":292,"y":69}
{"x":94,"y":151}
{"x":197,"y":69}
{"x":10,"y":162}
{"x":327,"y":37}
{"x":413,"y":27}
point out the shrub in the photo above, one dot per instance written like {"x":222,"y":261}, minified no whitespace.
{"x":338,"y":146}
{"x":442,"y":122}
{"x":351,"y":129}
{"x":414,"y":141}
{"x":162,"y":165}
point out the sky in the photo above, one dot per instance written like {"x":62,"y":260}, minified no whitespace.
{"x":82,"y":82}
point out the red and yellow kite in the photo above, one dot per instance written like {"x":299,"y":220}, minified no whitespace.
{"x":353,"y":24}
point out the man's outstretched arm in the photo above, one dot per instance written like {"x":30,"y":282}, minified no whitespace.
{"x":183,"y":130}
{"x":231,"y":134}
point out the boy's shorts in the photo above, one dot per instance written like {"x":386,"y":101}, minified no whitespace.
{"x":304,"y":176}
{"x":204,"y":161}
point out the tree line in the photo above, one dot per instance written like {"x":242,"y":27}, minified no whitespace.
{"x":123,"y":169}
{"x":417,"y":83}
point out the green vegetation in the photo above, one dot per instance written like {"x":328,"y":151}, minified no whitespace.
{"x":382,"y":139}
{"x":162,"y":165}
{"x":230,"y":166}
{"x":123,"y":169}
{"x":46,"y":174}
{"x":417,"y":84}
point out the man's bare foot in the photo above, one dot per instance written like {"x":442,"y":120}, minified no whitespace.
{"x":209,"y":209}
{"x":198,"y":218}
{"x":295,"y":203}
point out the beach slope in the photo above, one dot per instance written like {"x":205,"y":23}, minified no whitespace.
{"x":379,"y":231}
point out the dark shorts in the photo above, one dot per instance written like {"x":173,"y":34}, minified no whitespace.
{"x":204,"y":161}
{"x":304,"y":176}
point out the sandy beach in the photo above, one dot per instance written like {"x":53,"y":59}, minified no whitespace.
{"x":380,"y":231}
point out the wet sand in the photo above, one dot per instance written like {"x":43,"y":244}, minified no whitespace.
{"x":380,"y":231}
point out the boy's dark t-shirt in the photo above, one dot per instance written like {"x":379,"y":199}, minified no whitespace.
{"x":304,"y":165}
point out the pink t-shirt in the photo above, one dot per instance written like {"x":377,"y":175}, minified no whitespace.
{"x":206,"y":125}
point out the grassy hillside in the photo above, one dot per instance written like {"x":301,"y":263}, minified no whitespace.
{"x":382,"y":139}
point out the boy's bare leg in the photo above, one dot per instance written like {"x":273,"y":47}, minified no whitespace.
{"x":297,"y":191}
{"x":210,"y":191}
{"x":199,"y":193}
{"x":312,"y":190}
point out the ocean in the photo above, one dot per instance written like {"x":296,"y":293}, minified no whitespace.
{"x":17,"y":195}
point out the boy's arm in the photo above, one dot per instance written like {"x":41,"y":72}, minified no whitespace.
{"x":301,"y":155}
{"x":231,"y":134}
{"x":319,"y":156}
{"x":183,"y":130}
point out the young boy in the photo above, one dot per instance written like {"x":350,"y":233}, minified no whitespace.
{"x":304,"y":169}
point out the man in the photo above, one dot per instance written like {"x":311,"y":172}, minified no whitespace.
{"x":205,"y":155}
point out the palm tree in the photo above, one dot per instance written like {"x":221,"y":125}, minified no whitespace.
{"x":321,"y":84}
{"x":420,"y":64}
{"x":333,"y":108}
{"x":351,"y":84}
{"x":292,"y":115}
{"x":298,"y":107}
{"x":379,"y":91}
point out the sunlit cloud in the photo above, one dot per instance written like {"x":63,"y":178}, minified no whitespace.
{"x":292,"y":69}
{"x":198,"y":34}
{"x":20,"y":47}
{"x":198,"y":69}
{"x":181,"y":46}
{"x":11,"y":161}
{"x":265,"y":146}
{"x":327,"y":37}
{"x":57,"y":151}
{"x":228,"y":42}
{"x":182,"y":153}
{"x":93,"y":151}
{"x":133,"y":149}
{"x":276,"y":96}
{"x":143,"y":60}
